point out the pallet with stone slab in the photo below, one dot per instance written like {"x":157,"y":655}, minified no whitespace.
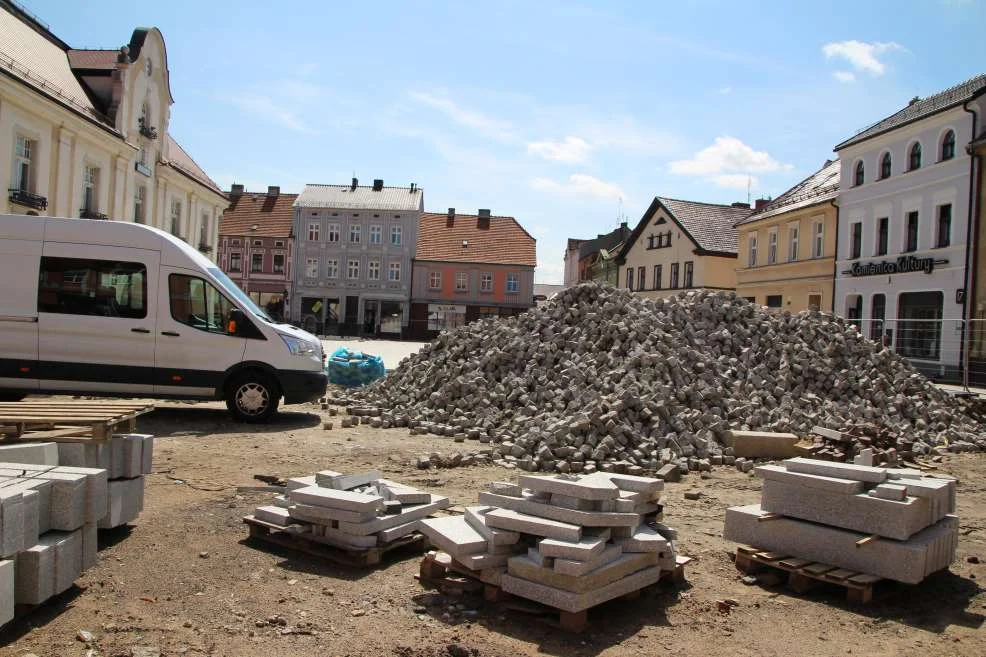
{"x":802,"y":575}
{"x":68,"y":421}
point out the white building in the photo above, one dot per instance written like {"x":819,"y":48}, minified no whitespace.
{"x":902,"y":258}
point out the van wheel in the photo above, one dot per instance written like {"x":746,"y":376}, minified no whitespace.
{"x":252,"y":397}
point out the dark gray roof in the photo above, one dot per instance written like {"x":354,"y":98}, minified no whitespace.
{"x":709,"y":225}
{"x":607,"y":241}
{"x":819,"y":187}
{"x":940,"y":102}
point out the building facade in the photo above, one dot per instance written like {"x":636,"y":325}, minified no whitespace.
{"x":256,"y":245}
{"x":595,"y":259}
{"x":86,"y":134}
{"x":354,"y":246}
{"x":681,"y":245}
{"x":902,"y":269}
{"x":787,"y":246}
{"x":977,"y":328}
{"x":470,"y":267}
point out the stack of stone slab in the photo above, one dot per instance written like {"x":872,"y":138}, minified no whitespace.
{"x":568,"y":542}
{"x":892,"y":523}
{"x":353,"y":512}
{"x":126,"y":459}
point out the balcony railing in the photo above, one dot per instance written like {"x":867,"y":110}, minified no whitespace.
{"x":25,"y":198}
{"x":92,"y":214}
{"x":146,"y":130}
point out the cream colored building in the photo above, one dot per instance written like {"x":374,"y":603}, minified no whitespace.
{"x":84,"y":133}
{"x":787,"y":247}
{"x":680,"y":245}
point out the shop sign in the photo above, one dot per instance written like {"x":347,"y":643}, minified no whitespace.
{"x":446,"y":308}
{"x":903,"y":265}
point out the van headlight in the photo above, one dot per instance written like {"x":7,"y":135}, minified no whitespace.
{"x":303,"y":348}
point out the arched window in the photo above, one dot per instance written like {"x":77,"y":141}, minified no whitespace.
{"x":948,"y":146}
{"x":914,"y":161}
{"x":860,"y":173}
{"x":885,"y":166}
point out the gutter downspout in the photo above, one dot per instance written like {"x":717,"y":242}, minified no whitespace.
{"x":971,"y":251}
{"x":835,"y":259}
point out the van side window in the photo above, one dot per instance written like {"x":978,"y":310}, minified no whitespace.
{"x":195,"y":302}
{"x":104,"y":288}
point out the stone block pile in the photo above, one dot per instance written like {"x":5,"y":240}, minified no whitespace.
{"x":352,"y":512}
{"x":567,"y":542}
{"x":892,"y":523}
{"x":599,"y":377}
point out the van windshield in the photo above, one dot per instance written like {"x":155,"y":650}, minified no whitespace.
{"x":234,"y":289}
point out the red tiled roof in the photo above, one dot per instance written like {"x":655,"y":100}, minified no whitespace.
{"x":93,"y":59}
{"x":272,"y":215}
{"x":505,"y":242}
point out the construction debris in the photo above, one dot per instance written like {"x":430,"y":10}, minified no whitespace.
{"x":600,"y":379}
{"x":890,"y":523}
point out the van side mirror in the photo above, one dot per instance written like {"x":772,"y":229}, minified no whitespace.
{"x":234,"y":322}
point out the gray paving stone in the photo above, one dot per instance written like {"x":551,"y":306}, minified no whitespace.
{"x":68,"y":558}
{"x":35,"y":573}
{"x":323,"y":515}
{"x":337,"y":481}
{"x":577,"y":568}
{"x":830,"y":484}
{"x":526,"y":568}
{"x":631,"y":483}
{"x":90,"y":545}
{"x":528,"y":524}
{"x":579,"y":504}
{"x":484,"y":561}
{"x":8,"y":588}
{"x":453,"y":534}
{"x":274,"y":515}
{"x":96,"y":489}
{"x":583,"y":518}
{"x":645,"y":539}
{"x":476,"y":517}
{"x":85,"y":455}
{"x":30,"y":453}
{"x":124,"y":502}
{"x":337,"y":499}
{"x":838,"y":470}
{"x":295,"y":483}
{"x":11,"y":522}
{"x":889,"y":492}
{"x":584,"y":488}
{"x":69,"y":500}
{"x":504,"y":488}
{"x":541,"y":560}
{"x":390,"y":490}
{"x":573,"y":602}
{"x":343,"y":539}
{"x":760,"y":444}
{"x":400,"y":531}
{"x":583,"y":550}
{"x":408,"y":514}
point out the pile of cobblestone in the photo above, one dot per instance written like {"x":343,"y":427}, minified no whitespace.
{"x":600,"y":377}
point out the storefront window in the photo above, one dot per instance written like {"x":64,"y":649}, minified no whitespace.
{"x":390,"y":316}
{"x":445,"y":316}
{"x":919,"y":316}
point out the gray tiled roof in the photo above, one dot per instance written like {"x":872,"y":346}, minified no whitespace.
{"x":819,"y":187}
{"x":709,"y":225}
{"x":361,"y":198}
{"x":607,"y":241}
{"x":941,"y":101}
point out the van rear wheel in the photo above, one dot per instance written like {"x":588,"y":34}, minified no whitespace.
{"x":252,"y":397}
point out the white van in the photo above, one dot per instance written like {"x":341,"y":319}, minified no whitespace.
{"x":120,"y":309}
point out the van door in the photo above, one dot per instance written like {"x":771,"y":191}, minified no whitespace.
{"x":96,"y":316}
{"x":19,"y":260}
{"x":193,"y":349}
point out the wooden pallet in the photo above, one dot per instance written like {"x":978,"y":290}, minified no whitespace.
{"x":457,"y":579}
{"x":313,"y":546}
{"x":63,"y":421}
{"x":804,"y":575}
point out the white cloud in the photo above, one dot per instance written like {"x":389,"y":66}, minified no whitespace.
{"x":266,"y":108}
{"x":725,"y":91}
{"x":861,"y":55}
{"x":580,"y":184}
{"x":735,"y":180}
{"x":727,"y":155}
{"x":571,"y":151}
{"x":486,"y":125}
{"x":844,"y":76}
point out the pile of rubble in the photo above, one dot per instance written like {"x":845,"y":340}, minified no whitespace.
{"x":599,"y":377}
{"x":891,"y":523}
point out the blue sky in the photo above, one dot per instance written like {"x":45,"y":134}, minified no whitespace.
{"x":547,"y":111}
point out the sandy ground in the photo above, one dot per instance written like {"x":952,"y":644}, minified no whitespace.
{"x":392,"y":351}
{"x":184,"y":579}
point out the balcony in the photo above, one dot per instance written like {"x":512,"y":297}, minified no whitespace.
{"x":146,"y":130}
{"x":92,"y":214}
{"x":27,"y":199}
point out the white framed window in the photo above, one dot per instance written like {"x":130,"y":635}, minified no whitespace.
{"x":234,"y":262}
{"x":313,"y":232}
{"x":376,"y":234}
{"x":373,"y":270}
{"x":176,"y":217}
{"x":461,"y":281}
{"x":513,"y":283}
{"x":435,"y":280}
{"x":311,"y":268}
{"x":394,"y":272}
{"x":23,"y":173}
{"x":278,"y":263}
{"x":355,"y":232}
{"x":332,"y":269}
{"x":90,"y":189}
{"x":486,"y":281}
{"x":258,"y":243}
{"x":793,"y":234}
{"x":257,"y":262}
{"x":140,"y":197}
{"x":396,"y":235}
{"x":142,"y":156}
{"x":279,"y":243}
{"x":771,"y":247}
{"x":818,"y":239}
{"x":352,"y":269}
{"x":752,"y":255}
{"x":205,"y":231}
{"x":333,"y":233}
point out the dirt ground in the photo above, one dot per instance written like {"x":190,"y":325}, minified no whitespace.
{"x":184,"y":579}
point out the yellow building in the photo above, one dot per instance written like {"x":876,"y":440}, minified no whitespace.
{"x":84,"y":133}
{"x":787,"y":246}
{"x":680,"y":245}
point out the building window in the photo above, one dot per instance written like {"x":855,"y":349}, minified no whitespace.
{"x":104,"y":288}
{"x":176,"y":217}
{"x":819,"y":240}
{"x":879,"y":310}
{"x":814,"y":302}
{"x":90,"y":189}
{"x":23,"y":168}
{"x":944,"y":225}
{"x":142,"y":156}
{"x":674,"y":275}
{"x":860,"y":174}
{"x":658,"y":274}
{"x":914,"y":157}
{"x":352,"y":269}
{"x":486,"y":281}
{"x":332,"y":270}
{"x":373,"y":270}
{"x":333,"y":233}
{"x":630,"y":278}
{"x":513,"y":284}
{"x":882,"y":235}
{"x":234,"y":262}
{"x":948,"y":146}
{"x":396,"y":235}
{"x":793,"y":231}
{"x":919,"y":325}
{"x":205,"y":230}
{"x":911,"y":236}
{"x":854,"y":310}
{"x":236,"y":242}
{"x":313,"y":230}
{"x":257,"y":262}
{"x":771,"y":247}
{"x":278,"y":242}
{"x":461,"y":281}
{"x":278,"y":263}
{"x":140,"y":195}
{"x":376,"y":234}
{"x":435,"y":280}
{"x":855,"y":240}
{"x":885,"y":166}
{"x":753,"y":251}
{"x":641,"y":275}
{"x":689,"y":273}
{"x":311,"y":268}
{"x":355,"y":232}
{"x":774,"y":301}
{"x":394,"y":272}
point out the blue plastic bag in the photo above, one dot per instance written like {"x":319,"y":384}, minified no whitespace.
{"x":354,"y":368}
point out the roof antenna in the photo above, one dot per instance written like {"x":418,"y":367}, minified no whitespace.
{"x":749,"y":181}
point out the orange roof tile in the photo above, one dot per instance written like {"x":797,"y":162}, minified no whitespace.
{"x":505,"y":242}
{"x":273,"y":216}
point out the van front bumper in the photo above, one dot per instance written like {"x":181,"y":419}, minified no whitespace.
{"x":301,"y":386}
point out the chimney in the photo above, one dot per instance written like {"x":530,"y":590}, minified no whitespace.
{"x":355,"y":184}
{"x":483,"y":220}
{"x":378,"y":184}
{"x":761,"y":202}
{"x":914,"y":100}
{"x":450,"y":221}
{"x":235,"y":191}
{"x":413,"y":186}
{"x":623,"y":225}
{"x":273,"y":191}
{"x":741,"y":205}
